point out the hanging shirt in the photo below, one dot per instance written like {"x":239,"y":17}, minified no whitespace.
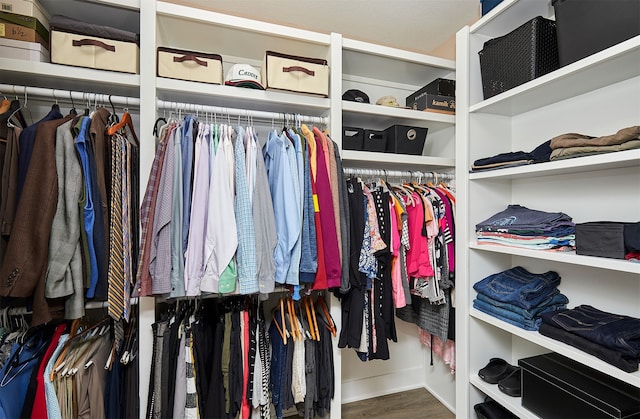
{"x":194,"y":256}
{"x":247,"y":265}
{"x":294,"y":154}
{"x":187,"y":146}
{"x":264,"y":225}
{"x":160,"y":251}
{"x":88,"y":210}
{"x":221,"y":237}
{"x":177,"y":214}
{"x":281,"y":185}
{"x":309,"y":257}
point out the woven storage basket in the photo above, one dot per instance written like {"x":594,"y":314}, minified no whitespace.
{"x":528,"y":52}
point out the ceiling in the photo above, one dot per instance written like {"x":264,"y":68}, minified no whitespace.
{"x":416,"y":25}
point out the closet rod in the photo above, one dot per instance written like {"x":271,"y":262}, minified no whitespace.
{"x":68,"y":95}
{"x":262,"y":115}
{"x":398,"y":173}
{"x":91,"y":305}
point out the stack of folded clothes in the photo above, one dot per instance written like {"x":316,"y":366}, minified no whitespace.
{"x":540,"y":154}
{"x":525,"y":228}
{"x":519,"y":297}
{"x":613,"y":338}
{"x":571,"y":145}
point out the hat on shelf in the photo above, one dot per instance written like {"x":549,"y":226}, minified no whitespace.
{"x":388,"y":101}
{"x":354,"y":95}
{"x":244,"y":75}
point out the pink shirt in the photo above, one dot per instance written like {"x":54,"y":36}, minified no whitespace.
{"x":418,"y":263}
{"x":399,"y":300}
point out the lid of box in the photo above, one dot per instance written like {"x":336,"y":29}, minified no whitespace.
{"x":603,"y":391}
{"x":13,"y":43}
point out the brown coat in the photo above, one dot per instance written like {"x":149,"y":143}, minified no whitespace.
{"x":23,"y":270}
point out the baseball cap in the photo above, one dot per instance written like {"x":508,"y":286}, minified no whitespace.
{"x":388,"y":101}
{"x":243,"y":75}
{"x":355,"y":95}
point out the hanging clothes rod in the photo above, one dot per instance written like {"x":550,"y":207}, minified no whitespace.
{"x":262,"y":115}
{"x":412,"y":174}
{"x":91,"y":305}
{"x":68,"y":96}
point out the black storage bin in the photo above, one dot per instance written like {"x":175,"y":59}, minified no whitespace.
{"x":352,"y":138}
{"x":442,"y":87}
{"x":588,"y":26}
{"x":601,"y":238}
{"x":402,"y":139}
{"x":528,"y":52}
{"x":375,"y":140}
{"x":554,"y":386}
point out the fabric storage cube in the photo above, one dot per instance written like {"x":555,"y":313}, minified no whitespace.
{"x":295,"y":74}
{"x":605,"y":238}
{"x":587,"y":27}
{"x":352,"y":138}
{"x":526,"y":53}
{"x":554,"y":386}
{"x":87,"y":45}
{"x":189,"y":65}
{"x":375,"y":140}
{"x":402,"y":139}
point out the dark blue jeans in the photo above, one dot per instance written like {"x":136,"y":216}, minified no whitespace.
{"x":519,"y":287}
{"x":554,"y":302}
{"x":615,"y":358}
{"x":613,"y":331}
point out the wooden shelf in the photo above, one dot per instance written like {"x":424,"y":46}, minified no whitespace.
{"x":56,"y":76}
{"x":238,"y":97}
{"x":513,"y":404}
{"x":617,"y":160}
{"x":373,"y":160}
{"x":559,"y":347}
{"x":366,"y":114}
{"x":604,"y":68}
{"x":563,"y":257}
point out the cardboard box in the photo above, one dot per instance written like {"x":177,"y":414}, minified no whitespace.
{"x":21,"y":33}
{"x":423,"y":101}
{"x":25,"y":21}
{"x":31,"y":8}
{"x":22,"y":50}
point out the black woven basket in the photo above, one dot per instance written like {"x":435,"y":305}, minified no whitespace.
{"x":528,"y":52}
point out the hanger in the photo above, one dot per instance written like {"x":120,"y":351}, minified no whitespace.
{"x":113,"y":118}
{"x":72,"y":111}
{"x":330,"y":324}
{"x":55,"y":106}
{"x":282,"y":330}
{"x":125,"y":122}
{"x":16,"y":111}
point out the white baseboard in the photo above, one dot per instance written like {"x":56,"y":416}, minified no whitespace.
{"x":380,"y":385}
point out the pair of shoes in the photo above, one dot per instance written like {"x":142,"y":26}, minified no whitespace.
{"x":489,"y":409}
{"x":512,"y":384}
{"x":496,"y":370}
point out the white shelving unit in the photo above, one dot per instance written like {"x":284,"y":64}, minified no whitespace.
{"x":375,"y":69}
{"x":597,"y":95}
{"x":382,"y":71}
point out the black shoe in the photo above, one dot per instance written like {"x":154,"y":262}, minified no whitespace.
{"x":495,"y":370}
{"x":512,"y":384}
{"x":492,"y":410}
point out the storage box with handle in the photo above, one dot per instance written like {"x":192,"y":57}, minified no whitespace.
{"x":296,"y":74}
{"x":189,"y":65}
{"x":375,"y":140}
{"x":87,"y":45}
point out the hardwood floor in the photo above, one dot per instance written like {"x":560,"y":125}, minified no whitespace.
{"x":414,"y":404}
